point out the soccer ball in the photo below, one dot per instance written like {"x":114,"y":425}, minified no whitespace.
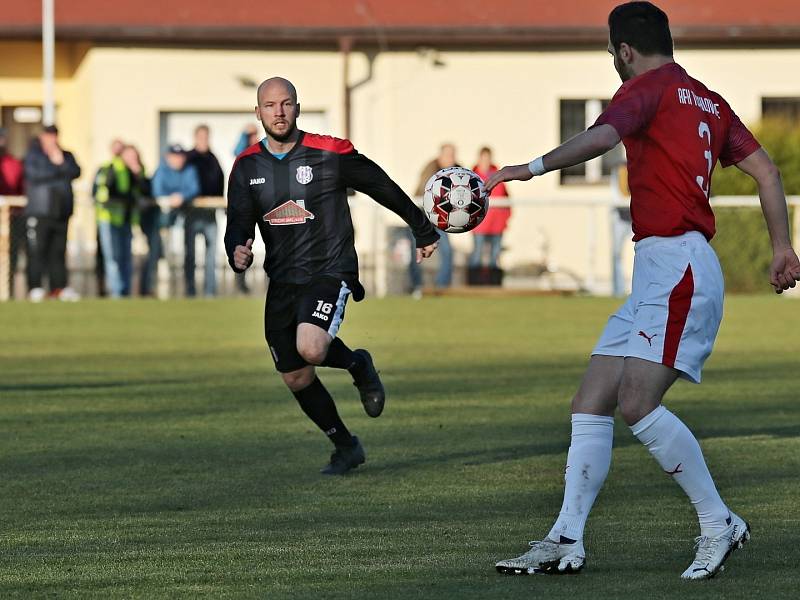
{"x":455,"y":200}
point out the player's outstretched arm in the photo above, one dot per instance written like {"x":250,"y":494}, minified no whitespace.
{"x":364,"y":175}
{"x":585,"y":146}
{"x":785,"y":268}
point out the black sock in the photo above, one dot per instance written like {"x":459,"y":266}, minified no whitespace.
{"x":317,"y":403}
{"x":339,"y":356}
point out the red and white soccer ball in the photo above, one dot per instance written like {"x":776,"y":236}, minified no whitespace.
{"x":455,"y":200}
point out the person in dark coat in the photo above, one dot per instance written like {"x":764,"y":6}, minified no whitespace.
{"x":49,"y":172}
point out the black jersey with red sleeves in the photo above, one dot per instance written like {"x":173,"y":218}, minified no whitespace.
{"x":300,"y":206}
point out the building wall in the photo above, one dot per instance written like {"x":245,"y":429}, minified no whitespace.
{"x":412,"y":103}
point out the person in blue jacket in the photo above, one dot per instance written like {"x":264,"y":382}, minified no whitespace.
{"x":178,"y":182}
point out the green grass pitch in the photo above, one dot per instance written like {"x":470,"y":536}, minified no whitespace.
{"x":149,"y":450}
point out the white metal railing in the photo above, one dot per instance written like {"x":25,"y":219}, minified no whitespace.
{"x":374,"y":250}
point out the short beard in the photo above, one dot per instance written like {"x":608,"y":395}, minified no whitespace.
{"x":280,"y":138}
{"x":622,"y":69}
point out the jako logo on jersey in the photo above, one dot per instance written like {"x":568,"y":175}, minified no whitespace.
{"x":304,"y":175}
{"x":258,"y":180}
{"x":288,"y":213}
{"x":319,"y":315}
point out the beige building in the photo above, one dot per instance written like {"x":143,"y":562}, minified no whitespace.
{"x":398,"y":95}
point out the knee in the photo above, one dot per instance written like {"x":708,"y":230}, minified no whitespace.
{"x":300,"y":379}
{"x":312,"y":353}
{"x":593,"y":405}
{"x":634,"y":403}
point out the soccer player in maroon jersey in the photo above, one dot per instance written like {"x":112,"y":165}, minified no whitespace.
{"x":293,"y":186}
{"x":675,"y":130}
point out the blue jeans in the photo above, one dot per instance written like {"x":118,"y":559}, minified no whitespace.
{"x":200,"y":223}
{"x":150,"y":222}
{"x":445,"y":275}
{"x":117,"y":259}
{"x":495,"y":245}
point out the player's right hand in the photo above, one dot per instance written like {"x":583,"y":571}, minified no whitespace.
{"x":426,"y":251}
{"x":243,"y":255}
{"x":784,"y":272}
{"x":510,"y":173}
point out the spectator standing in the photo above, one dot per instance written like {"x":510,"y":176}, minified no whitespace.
{"x":11,"y":184}
{"x":49,"y":171}
{"x":203,"y":221}
{"x":147,"y":209}
{"x":446,"y":158}
{"x":115,"y":212}
{"x":178,"y":181}
{"x":494,"y":224}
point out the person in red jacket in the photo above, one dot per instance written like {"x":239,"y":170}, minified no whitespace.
{"x":11,"y":184}
{"x":494,"y":224}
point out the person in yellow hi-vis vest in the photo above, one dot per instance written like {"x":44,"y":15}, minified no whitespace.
{"x":115,"y":212}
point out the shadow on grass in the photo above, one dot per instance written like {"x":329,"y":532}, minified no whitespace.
{"x":99,"y":385}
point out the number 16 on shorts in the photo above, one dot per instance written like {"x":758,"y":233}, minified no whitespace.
{"x":323,"y":310}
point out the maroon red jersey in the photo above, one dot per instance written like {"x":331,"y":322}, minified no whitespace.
{"x":675,"y":130}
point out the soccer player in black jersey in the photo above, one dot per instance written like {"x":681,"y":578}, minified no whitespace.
{"x":293,"y":185}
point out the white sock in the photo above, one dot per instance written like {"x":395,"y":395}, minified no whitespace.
{"x":679,"y":454}
{"x":588,"y":461}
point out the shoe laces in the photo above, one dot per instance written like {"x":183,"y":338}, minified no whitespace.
{"x":540,"y":544}
{"x":705,"y":547}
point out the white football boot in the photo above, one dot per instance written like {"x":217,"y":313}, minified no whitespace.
{"x":546,"y":556}
{"x":712,"y":552}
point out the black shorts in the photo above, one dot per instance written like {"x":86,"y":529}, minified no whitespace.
{"x":321,"y":303}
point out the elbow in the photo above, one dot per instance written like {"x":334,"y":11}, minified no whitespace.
{"x":773,"y":172}
{"x":769,"y":174}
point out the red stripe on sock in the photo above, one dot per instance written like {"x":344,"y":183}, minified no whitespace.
{"x":680,"y":301}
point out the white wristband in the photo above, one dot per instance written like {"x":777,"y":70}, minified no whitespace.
{"x":536,"y":167}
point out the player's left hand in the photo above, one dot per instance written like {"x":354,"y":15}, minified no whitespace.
{"x":510,"y":173}
{"x":784,"y":272}
{"x":426,"y":251}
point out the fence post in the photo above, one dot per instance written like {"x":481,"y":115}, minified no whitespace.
{"x":5,"y":249}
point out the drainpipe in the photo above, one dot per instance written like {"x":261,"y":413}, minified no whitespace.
{"x":48,"y":60}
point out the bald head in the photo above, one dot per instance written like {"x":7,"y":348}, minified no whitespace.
{"x":277,"y":109}
{"x":284,"y":85}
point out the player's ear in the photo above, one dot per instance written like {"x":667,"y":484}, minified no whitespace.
{"x":297,"y":109}
{"x":258,"y":113}
{"x":626,"y":53}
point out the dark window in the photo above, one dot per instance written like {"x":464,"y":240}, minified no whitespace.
{"x":575,"y":117}
{"x":782,"y":108}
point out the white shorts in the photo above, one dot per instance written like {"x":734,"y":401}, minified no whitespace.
{"x":674,"y":311}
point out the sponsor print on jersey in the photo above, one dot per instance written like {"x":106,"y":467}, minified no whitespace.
{"x":258,"y":180}
{"x":304,"y":175}
{"x":288,"y":213}
{"x":687,"y":96}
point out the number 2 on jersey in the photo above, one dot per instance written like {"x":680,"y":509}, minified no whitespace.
{"x":705,"y":131}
